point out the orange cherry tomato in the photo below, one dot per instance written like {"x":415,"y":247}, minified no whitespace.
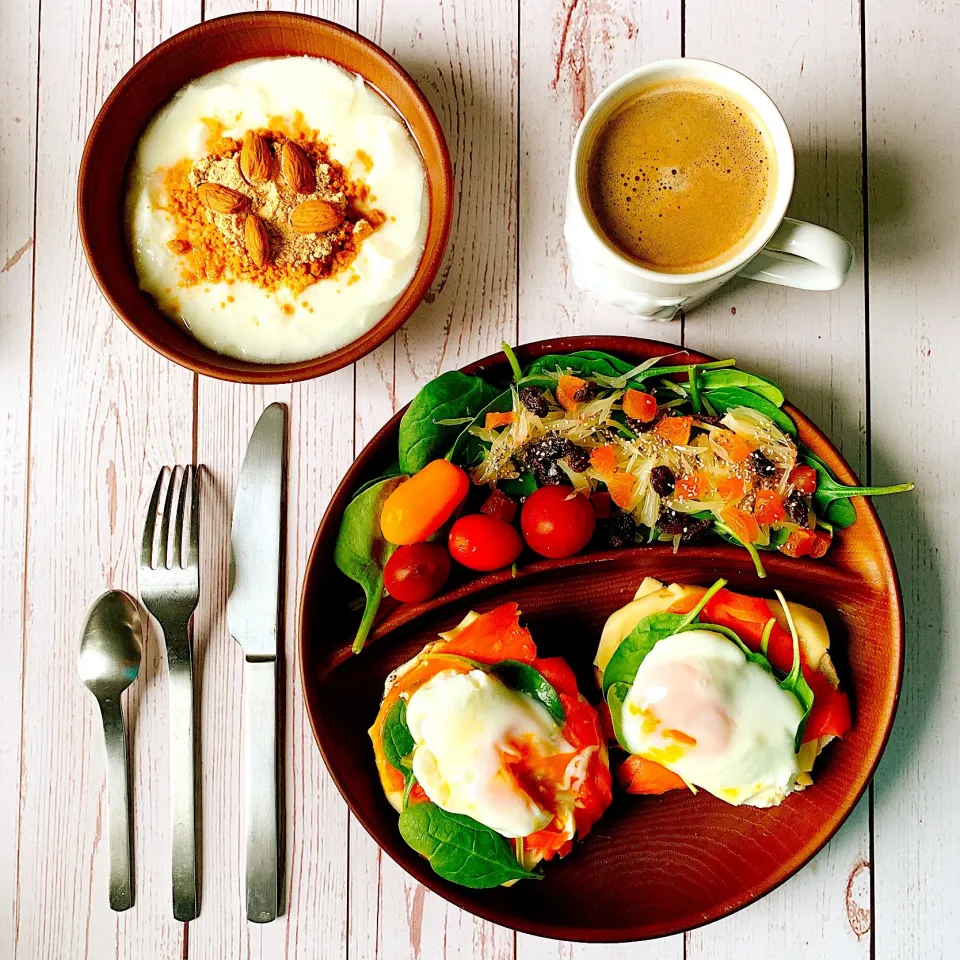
{"x":639,"y":405}
{"x":416,"y":572}
{"x":674,"y":430}
{"x":803,"y":478}
{"x":420,"y":506}
{"x":768,"y":507}
{"x":557,"y":522}
{"x":482,"y":542}
{"x":744,"y":527}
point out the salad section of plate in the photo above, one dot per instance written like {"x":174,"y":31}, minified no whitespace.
{"x":660,"y":858}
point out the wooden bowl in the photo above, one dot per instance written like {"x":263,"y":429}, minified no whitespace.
{"x":152,"y":81}
{"x":653,"y":865}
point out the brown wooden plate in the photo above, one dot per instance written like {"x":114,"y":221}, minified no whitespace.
{"x":652,"y":866}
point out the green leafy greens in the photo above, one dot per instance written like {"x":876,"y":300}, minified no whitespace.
{"x":361,"y":551}
{"x":526,"y":679}
{"x":460,"y":849}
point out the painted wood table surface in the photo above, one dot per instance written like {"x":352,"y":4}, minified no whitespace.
{"x":88,"y":414}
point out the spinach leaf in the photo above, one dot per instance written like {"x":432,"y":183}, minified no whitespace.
{"x":725,"y":533}
{"x":392,"y":471}
{"x":526,"y":679}
{"x":450,"y":396}
{"x":575,"y":363}
{"x":724,"y":398}
{"x":616,"y":698}
{"x":626,"y":659}
{"x":512,"y":360}
{"x":459,"y":848}
{"x":396,"y":739}
{"x":361,"y":551}
{"x":714,"y":379}
{"x":621,"y":366}
{"x":519,"y":487}
{"x":830,"y":498}
{"x":468,"y":450}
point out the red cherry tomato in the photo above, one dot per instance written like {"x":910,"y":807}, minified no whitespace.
{"x":417,"y":572}
{"x":556,"y":522}
{"x":481,"y":542}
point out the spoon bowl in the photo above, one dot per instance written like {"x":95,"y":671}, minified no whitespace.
{"x":111,"y":648}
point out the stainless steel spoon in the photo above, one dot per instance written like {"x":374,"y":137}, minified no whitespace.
{"x":110,"y":653}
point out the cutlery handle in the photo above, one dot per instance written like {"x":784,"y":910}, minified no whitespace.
{"x":118,"y":807}
{"x":261,"y":808}
{"x":182,"y":772}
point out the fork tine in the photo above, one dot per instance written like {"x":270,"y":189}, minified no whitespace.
{"x":150,"y":523}
{"x":177,"y":559}
{"x":193,"y":545}
{"x":163,"y":552}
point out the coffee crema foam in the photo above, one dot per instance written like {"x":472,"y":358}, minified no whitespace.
{"x":680,"y":176}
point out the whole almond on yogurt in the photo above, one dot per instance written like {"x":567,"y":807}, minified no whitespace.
{"x":316,"y":216}
{"x":256,"y":159}
{"x":297,"y":170}
{"x":256,"y":240}
{"x":221,"y":199}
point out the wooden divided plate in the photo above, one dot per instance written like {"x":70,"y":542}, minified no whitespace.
{"x":653,"y":865}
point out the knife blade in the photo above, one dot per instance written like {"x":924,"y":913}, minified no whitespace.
{"x":253,"y":618}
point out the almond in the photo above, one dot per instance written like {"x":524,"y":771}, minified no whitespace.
{"x":316,"y":216}
{"x":221,"y":199}
{"x":256,"y":160}
{"x":297,"y":170}
{"x":256,"y":239}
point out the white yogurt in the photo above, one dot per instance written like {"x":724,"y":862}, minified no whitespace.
{"x":350,"y":117}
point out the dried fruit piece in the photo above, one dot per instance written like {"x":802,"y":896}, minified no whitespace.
{"x":639,"y":405}
{"x":800,"y":543}
{"x":256,"y":240}
{"x":675,"y":430}
{"x":803,"y":478}
{"x":256,"y":160}
{"x":741,"y":524}
{"x":735,"y":447}
{"x":221,"y":199}
{"x":768,"y":507}
{"x":663,"y":481}
{"x":797,"y":509}
{"x":534,"y":400}
{"x":620,"y":487}
{"x":499,"y":505}
{"x":622,"y":531}
{"x":821,"y":544}
{"x":298,"y":171}
{"x":731,"y":488}
{"x":578,"y":459}
{"x":603,"y":460}
{"x":567,"y":390}
{"x":762,"y":465}
{"x":316,"y":216}
{"x":693,"y":486}
{"x":494,"y":420}
{"x":683,"y":525}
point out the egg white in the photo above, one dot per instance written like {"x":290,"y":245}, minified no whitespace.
{"x":716,"y":719}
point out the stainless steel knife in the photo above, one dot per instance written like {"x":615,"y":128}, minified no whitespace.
{"x":253,"y":617}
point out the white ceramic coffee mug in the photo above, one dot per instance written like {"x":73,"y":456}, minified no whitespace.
{"x":782,"y":250}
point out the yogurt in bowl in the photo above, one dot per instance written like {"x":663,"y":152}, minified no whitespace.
{"x":277,"y":208}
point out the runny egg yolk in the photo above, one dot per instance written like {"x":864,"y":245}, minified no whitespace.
{"x":717,"y":720}
{"x":478,"y":747}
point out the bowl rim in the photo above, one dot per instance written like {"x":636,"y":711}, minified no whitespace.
{"x":439,"y":185}
{"x":649,"y":931}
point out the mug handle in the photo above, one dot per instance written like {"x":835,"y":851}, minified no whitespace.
{"x":802,"y":255}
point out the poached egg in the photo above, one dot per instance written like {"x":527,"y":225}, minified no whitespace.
{"x":469,"y":731}
{"x":719,"y":721}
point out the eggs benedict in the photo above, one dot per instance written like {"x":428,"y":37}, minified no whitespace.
{"x":489,"y":753}
{"x":719,"y":691}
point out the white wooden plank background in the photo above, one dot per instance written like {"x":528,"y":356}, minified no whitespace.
{"x":89,"y":415}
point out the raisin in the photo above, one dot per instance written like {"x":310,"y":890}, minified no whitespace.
{"x":534,"y":400}
{"x":662,"y":480}
{"x":705,"y":420}
{"x":622,"y":530}
{"x":587,"y":392}
{"x":638,"y":426}
{"x":796,"y":508}
{"x":762,"y":465}
{"x":683,"y":525}
{"x":540,"y":458}
{"x":578,"y":459}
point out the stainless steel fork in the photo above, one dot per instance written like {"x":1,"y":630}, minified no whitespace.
{"x":170,"y":589}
